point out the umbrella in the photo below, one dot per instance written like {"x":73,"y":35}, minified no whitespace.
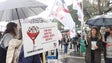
{"x":63,"y":31}
{"x":11,"y":10}
{"x":100,"y":20}
{"x":19,"y":9}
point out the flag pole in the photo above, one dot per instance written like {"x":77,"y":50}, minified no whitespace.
{"x":82,"y":22}
{"x":44,"y":57}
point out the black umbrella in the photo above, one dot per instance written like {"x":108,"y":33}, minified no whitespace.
{"x":100,"y":20}
{"x":63,"y":31}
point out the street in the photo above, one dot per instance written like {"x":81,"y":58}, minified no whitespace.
{"x":71,"y":57}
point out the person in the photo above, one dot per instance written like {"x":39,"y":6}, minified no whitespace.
{"x":31,"y":59}
{"x":75,"y":39}
{"x":66,"y":41}
{"x":109,"y":47}
{"x":0,"y":35}
{"x":78,"y":42}
{"x":13,"y":51}
{"x":10,"y":33}
{"x":107,"y":33}
{"x":93,"y":46}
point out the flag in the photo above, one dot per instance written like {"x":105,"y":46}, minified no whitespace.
{"x":72,"y":33}
{"x":62,"y":13}
{"x":77,"y":6}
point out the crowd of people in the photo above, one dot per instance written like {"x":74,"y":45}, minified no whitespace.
{"x":99,"y":43}
{"x":96,"y":43}
{"x":74,"y":42}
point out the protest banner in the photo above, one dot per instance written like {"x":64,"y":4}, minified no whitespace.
{"x":39,"y":37}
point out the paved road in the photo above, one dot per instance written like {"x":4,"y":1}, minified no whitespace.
{"x":73,"y":60}
{"x":71,"y":57}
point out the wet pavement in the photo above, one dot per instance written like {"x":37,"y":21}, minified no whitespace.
{"x":71,"y":57}
{"x":72,"y":60}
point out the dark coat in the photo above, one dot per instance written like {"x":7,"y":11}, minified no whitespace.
{"x":97,"y":51}
{"x":31,"y":59}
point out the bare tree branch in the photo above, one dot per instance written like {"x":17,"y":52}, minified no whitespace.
{"x":110,"y":9}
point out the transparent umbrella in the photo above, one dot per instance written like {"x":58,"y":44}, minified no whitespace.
{"x":11,"y":10}
{"x":19,"y":9}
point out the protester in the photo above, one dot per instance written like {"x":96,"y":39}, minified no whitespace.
{"x":32,"y":59}
{"x":71,"y":42}
{"x":13,"y":51}
{"x":0,"y":35}
{"x":60,"y":43}
{"x":107,"y":33}
{"x":109,"y":47}
{"x":93,"y":46}
{"x":66,"y":43}
{"x":78,"y":42}
{"x":75,"y":39}
{"x":9,"y":34}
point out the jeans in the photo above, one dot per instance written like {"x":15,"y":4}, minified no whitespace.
{"x":65,"y":48}
{"x":108,"y":60}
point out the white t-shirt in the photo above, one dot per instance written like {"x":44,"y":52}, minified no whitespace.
{"x":93,"y":43}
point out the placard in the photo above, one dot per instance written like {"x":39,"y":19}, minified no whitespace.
{"x":39,"y":37}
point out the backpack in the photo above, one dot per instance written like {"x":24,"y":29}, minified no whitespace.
{"x":3,"y":51}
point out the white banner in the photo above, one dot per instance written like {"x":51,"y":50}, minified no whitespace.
{"x":39,"y":37}
{"x":62,"y":13}
{"x":77,"y":6}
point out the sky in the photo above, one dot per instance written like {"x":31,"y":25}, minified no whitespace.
{"x":3,"y":26}
{"x":68,"y":2}
{"x":43,"y":14}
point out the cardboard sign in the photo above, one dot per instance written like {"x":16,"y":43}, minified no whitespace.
{"x":39,"y":37}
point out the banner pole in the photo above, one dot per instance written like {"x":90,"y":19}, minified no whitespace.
{"x":44,"y":58}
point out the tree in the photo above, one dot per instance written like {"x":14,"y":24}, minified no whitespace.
{"x":74,"y":15}
{"x":97,"y":7}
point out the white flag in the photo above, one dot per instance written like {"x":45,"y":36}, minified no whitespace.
{"x":77,"y":6}
{"x":72,"y":33}
{"x":61,"y":12}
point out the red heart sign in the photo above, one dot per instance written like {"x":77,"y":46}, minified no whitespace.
{"x":33,"y":32}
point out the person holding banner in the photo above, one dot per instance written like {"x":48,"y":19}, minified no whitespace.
{"x":10,"y":33}
{"x":32,"y":59}
{"x":93,"y":46}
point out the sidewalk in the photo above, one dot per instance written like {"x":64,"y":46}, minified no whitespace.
{"x":71,"y":57}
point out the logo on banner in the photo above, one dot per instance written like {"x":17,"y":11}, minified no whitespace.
{"x":33,"y":32}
